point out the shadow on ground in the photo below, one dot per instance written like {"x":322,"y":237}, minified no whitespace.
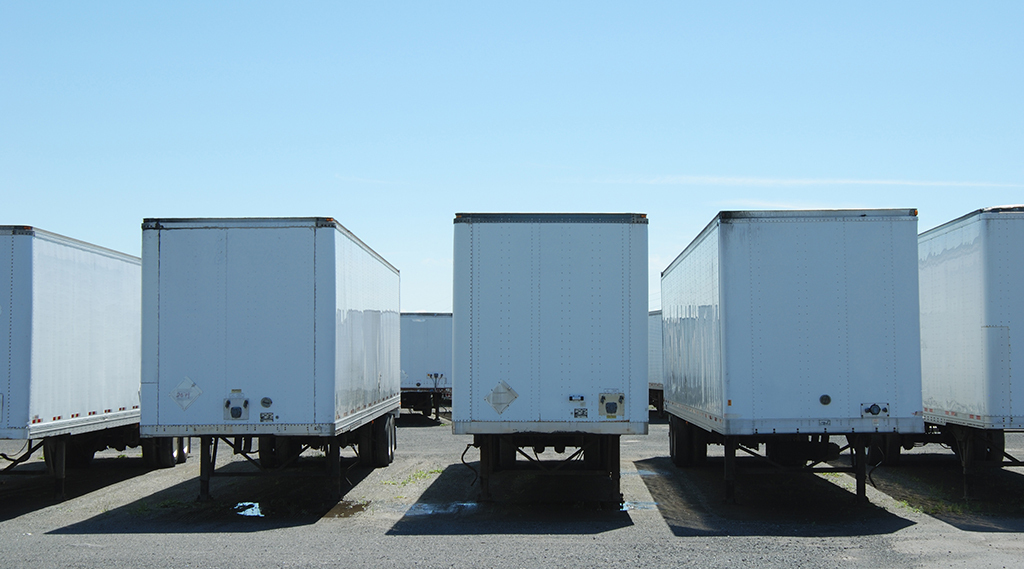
{"x":417,"y":420}
{"x":240,"y":504}
{"x":934,"y":483}
{"x":524,"y":503}
{"x":768,"y":502}
{"x":31,"y":488}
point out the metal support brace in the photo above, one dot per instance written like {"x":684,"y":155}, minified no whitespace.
{"x":860,"y":467}
{"x":334,"y":469}
{"x":20,"y":459}
{"x":730,"y":470}
{"x":613,"y":467}
{"x":207,"y":455}
{"x":487,"y":452}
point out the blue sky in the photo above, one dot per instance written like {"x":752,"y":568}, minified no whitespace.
{"x":392,"y":117}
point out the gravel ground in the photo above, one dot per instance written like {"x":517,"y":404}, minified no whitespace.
{"x":422,"y":511}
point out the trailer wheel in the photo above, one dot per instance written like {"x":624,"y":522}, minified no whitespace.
{"x":680,"y":441}
{"x":167,"y":451}
{"x":148,"y":452}
{"x":79,"y":454}
{"x":698,"y":446}
{"x":997,"y":445}
{"x":364,"y":445}
{"x":507,"y":453}
{"x":184,"y":448}
{"x":989,"y":445}
{"x":48,"y":456}
{"x":384,"y":440}
{"x":268,"y":457}
{"x":785,"y":453}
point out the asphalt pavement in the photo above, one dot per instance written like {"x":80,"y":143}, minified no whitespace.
{"x":423,"y":511}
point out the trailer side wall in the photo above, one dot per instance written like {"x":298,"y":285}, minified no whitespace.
{"x":654,"y":363}
{"x":815,"y":320}
{"x":970,"y":305}
{"x":692,"y":328}
{"x":71,"y":313}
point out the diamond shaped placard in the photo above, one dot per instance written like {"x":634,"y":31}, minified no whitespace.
{"x":501,"y":397}
{"x":186,"y":393}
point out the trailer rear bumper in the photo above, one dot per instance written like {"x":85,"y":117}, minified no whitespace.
{"x":345,"y":424}
{"x":988,"y":422}
{"x":76,"y":426}
{"x":830,"y":425}
{"x":514,"y":427}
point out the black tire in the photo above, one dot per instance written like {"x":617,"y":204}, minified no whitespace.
{"x":167,"y":451}
{"x":266,"y":451}
{"x":184,"y":448}
{"x":680,"y":442}
{"x":507,"y":453}
{"x":672,"y":449}
{"x":592,"y":452}
{"x":148,"y":452}
{"x":365,"y":445}
{"x":79,"y":454}
{"x":393,"y":434}
{"x":785,"y":453}
{"x":48,"y":458}
{"x":996,"y":445}
{"x":383,"y":440}
{"x":989,"y":445}
{"x":698,"y":446}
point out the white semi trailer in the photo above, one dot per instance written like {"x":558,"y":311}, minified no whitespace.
{"x":655,"y":381}
{"x":550,"y":339}
{"x":282,"y":331}
{"x":972,"y":302}
{"x":786,"y":328}
{"x":426,"y":360}
{"x":70,"y":351}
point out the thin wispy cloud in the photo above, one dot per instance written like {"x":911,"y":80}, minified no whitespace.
{"x":780,"y":182}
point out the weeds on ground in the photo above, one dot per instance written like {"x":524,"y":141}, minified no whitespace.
{"x":414,"y":477}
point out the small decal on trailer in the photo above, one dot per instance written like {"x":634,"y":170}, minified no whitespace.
{"x":185,"y":393}
{"x":580,"y":413}
{"x":501,"y":397}
{"x":266,"y":417}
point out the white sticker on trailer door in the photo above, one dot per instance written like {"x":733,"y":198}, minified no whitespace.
{"x":501,"y":397}
{"x":186,"y":393}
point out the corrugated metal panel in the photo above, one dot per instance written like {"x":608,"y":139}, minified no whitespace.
{"x":294,"y":318}
{"x":970,"y":308}
{"x":70,"y":315}
{"x":766,"y":315}
{"x":548,"y":316}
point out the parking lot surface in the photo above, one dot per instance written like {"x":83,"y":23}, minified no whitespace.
{"x":423,"y":511}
